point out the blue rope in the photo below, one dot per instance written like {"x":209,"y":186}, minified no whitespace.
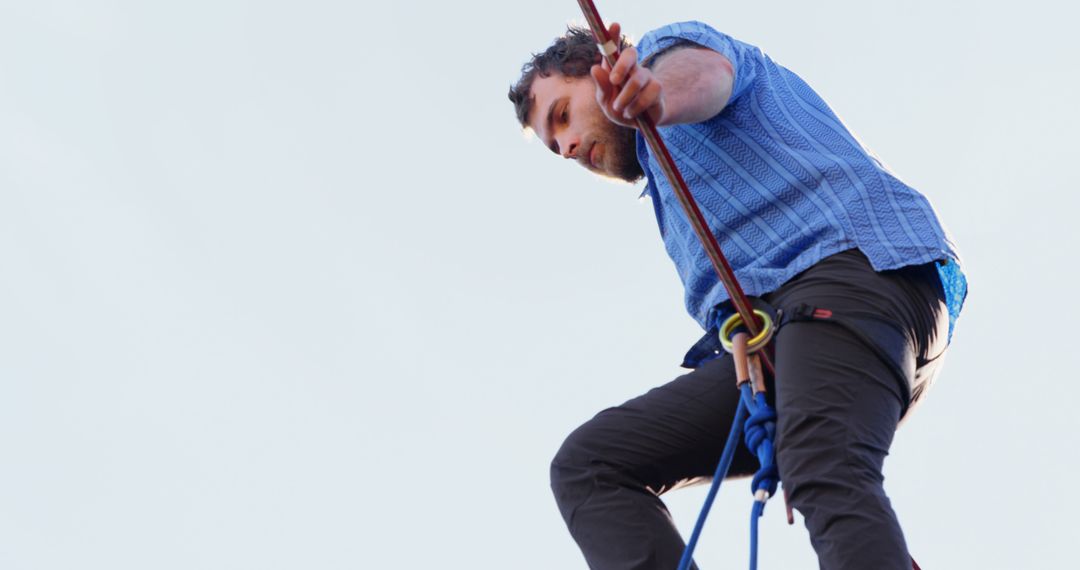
{"x":755,"y":514}
{"x":760,"y":430}
{"x":755,"y":419}
{"x":718,"y":477}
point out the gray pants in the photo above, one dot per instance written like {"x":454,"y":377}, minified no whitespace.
{"x":842,"y":385}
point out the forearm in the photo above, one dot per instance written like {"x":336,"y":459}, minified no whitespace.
{"x":696,"y":84}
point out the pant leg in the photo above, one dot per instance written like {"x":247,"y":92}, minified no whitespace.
{"x":839,"y":401}
{"x":609,"y":473}
{"x":838,"y":406}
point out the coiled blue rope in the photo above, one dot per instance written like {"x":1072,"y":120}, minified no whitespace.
{"x":760,"y":432}
{"x":757,"y":419}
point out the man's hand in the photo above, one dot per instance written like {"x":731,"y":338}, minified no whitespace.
{"x":627,"y":90}
{"x":684,"y":85}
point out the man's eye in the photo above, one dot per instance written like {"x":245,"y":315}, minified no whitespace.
{"x":565,"y":116}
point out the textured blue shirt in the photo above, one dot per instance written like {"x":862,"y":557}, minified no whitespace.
{"x":782,"y":184}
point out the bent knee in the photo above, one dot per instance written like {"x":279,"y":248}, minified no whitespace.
{"x":574,"y":458}
{"x":587,"y":457}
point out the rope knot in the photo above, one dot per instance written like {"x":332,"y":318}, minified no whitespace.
{"x":759,"y":433}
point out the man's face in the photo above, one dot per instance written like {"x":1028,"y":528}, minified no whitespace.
{"x":568,"y":120}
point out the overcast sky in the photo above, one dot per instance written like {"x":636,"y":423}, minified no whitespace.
{"x":283,"y":285}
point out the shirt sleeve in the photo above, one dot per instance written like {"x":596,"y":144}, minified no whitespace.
{"x":740,"y":55}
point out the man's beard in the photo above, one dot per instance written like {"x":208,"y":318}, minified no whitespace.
{"x":622,"y":142}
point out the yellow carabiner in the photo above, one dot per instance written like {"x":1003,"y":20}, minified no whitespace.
{"x":755,"y":344}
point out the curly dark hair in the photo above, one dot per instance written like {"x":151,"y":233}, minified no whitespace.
{"x":571,"y":55}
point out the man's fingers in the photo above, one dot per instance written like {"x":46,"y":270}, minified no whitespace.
{"x":648,"y":98}
{"x":603,"y":86}
{"x":614,"y":31}
{"x":624,"y":66}
{"x":631,"y":89}
{"x":605,"y":92}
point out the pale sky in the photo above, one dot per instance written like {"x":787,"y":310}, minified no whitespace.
{"x":283,"y":286}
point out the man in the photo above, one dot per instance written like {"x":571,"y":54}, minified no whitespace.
{"x":808,"y":219}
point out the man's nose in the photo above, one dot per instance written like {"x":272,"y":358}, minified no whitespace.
{"x":570,"y":149}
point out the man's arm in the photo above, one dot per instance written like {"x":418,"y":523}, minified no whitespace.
{"x":696,"y":83}
{"x":683,"y":84}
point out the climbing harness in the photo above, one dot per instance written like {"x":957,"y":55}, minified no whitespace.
{"x":745,"y":334}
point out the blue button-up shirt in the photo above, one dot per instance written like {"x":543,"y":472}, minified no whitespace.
{"x":783,"y":184}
